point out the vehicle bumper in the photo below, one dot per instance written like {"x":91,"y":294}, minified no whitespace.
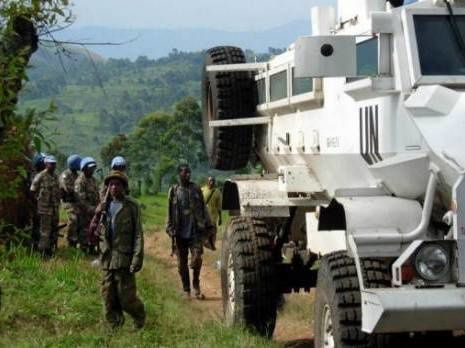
{"x":408,"y":309}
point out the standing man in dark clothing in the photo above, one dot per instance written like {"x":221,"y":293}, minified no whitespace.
{"x":187,"y":224}
{"x":121,"y":253}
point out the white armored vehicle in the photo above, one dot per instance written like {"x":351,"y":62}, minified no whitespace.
{"x":361,"y":130}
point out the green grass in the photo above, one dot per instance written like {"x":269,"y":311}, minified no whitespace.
{"x":57,"y":303}
{"x":154,"y":209}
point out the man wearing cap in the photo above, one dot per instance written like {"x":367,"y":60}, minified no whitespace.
{"x":67,"y":181}
{"x":87,"y":196}
{"x":187,"y":224}
{"x":212,"y":198}
{"x":46,"y":190}
{"x":121,"y":253}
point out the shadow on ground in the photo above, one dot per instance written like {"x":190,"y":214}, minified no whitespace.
{"x":306,"y":343}
{"x":415,"y":342}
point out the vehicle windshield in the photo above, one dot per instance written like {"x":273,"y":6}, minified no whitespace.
{"x":438,"y":49}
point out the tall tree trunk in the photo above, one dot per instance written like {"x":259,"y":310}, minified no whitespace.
{"x":16,"y":48}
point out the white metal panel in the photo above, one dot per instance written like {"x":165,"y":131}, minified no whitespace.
{"x":237,"y":67}
{"x":432,"y":101}
{"x":358,"y":8}
{"x":445,"y":135}
{"x":380,"y":214}
{"x":323,"y":242}
{"x":459,"y":226}
{"x":409,"y":309}
{"x":310,"y":60}
{"x":323,"y":20}
{"x":236,"y":122}
{"x":297,"y":179}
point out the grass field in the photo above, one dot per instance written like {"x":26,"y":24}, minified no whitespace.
{"x":57,"y":303}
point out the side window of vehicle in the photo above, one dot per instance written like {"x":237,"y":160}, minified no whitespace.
{"x":278,"y":86}
{"x":261,"y":91}
{"x":367,"y":58}
{"x":301,"y":85}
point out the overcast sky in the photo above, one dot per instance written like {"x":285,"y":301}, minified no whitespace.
{"x":234,"y":15}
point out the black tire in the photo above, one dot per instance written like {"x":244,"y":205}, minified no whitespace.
{"x":227,"y":95}
{"x":247,"y":254}
{"x":338,"y":298}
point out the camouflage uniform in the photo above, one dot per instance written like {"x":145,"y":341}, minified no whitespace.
{"x":188,"y":222}
{"x":122,"y":254}
{"x":46,"y":188}
{"x":35,"y":218}
{"x":87,"y":198}
{"x":67,"y":181}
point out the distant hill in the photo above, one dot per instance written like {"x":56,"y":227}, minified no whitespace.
{"x":100,"y":98}
{"x":155,"y":43}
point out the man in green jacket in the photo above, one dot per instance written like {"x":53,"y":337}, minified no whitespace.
{"x":122,"y":253}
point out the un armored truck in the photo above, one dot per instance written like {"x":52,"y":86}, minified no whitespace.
{"x":361,"y":130}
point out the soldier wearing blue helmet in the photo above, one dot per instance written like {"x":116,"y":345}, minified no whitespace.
{"x":38,"y":165}
{"x":87,"y":194}
{"x":46,"y":190}
{"x":118,"y":163}
{"x":67,"y":181}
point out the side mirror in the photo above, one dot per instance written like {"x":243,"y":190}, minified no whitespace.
{"x":325,"y":56}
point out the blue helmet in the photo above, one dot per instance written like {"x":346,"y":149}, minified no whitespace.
{"x":118,"y":161}
{"x":74,"y":162}
{"x":50,"y":159}
{"x":88,"y":162}
{"x":38,"y":160}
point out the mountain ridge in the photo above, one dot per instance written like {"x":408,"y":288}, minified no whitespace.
{"x":156,"y":43}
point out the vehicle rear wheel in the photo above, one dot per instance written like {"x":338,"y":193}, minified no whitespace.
{"x":248,"y":276}
{"x":227,"y":95}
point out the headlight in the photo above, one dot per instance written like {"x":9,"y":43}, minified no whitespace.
{"x":432,"y":262}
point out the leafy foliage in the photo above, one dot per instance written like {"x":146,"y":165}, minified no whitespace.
{"x":161,"y":140}
{"x":21,"y":23}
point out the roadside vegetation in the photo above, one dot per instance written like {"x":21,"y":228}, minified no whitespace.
{"x":57,"y":303}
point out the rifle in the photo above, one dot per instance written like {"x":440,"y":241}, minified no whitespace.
{"x":97,"y":224}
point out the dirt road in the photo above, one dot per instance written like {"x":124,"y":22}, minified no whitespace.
{"x":293,"y":327}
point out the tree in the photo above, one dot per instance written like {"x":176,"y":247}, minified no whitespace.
{"x":21,"y":24}
{"x":161,"y":140}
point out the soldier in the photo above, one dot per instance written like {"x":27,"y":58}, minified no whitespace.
{"x":121,"y":253}
{"x":118,"y":163}
{"x":87,"y":196}
{"x":212,"y":199}
{"x":47,"y":193}
{"x":67,"y":181}
{"x":188,"y":222}
{"x":38,"y":165}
